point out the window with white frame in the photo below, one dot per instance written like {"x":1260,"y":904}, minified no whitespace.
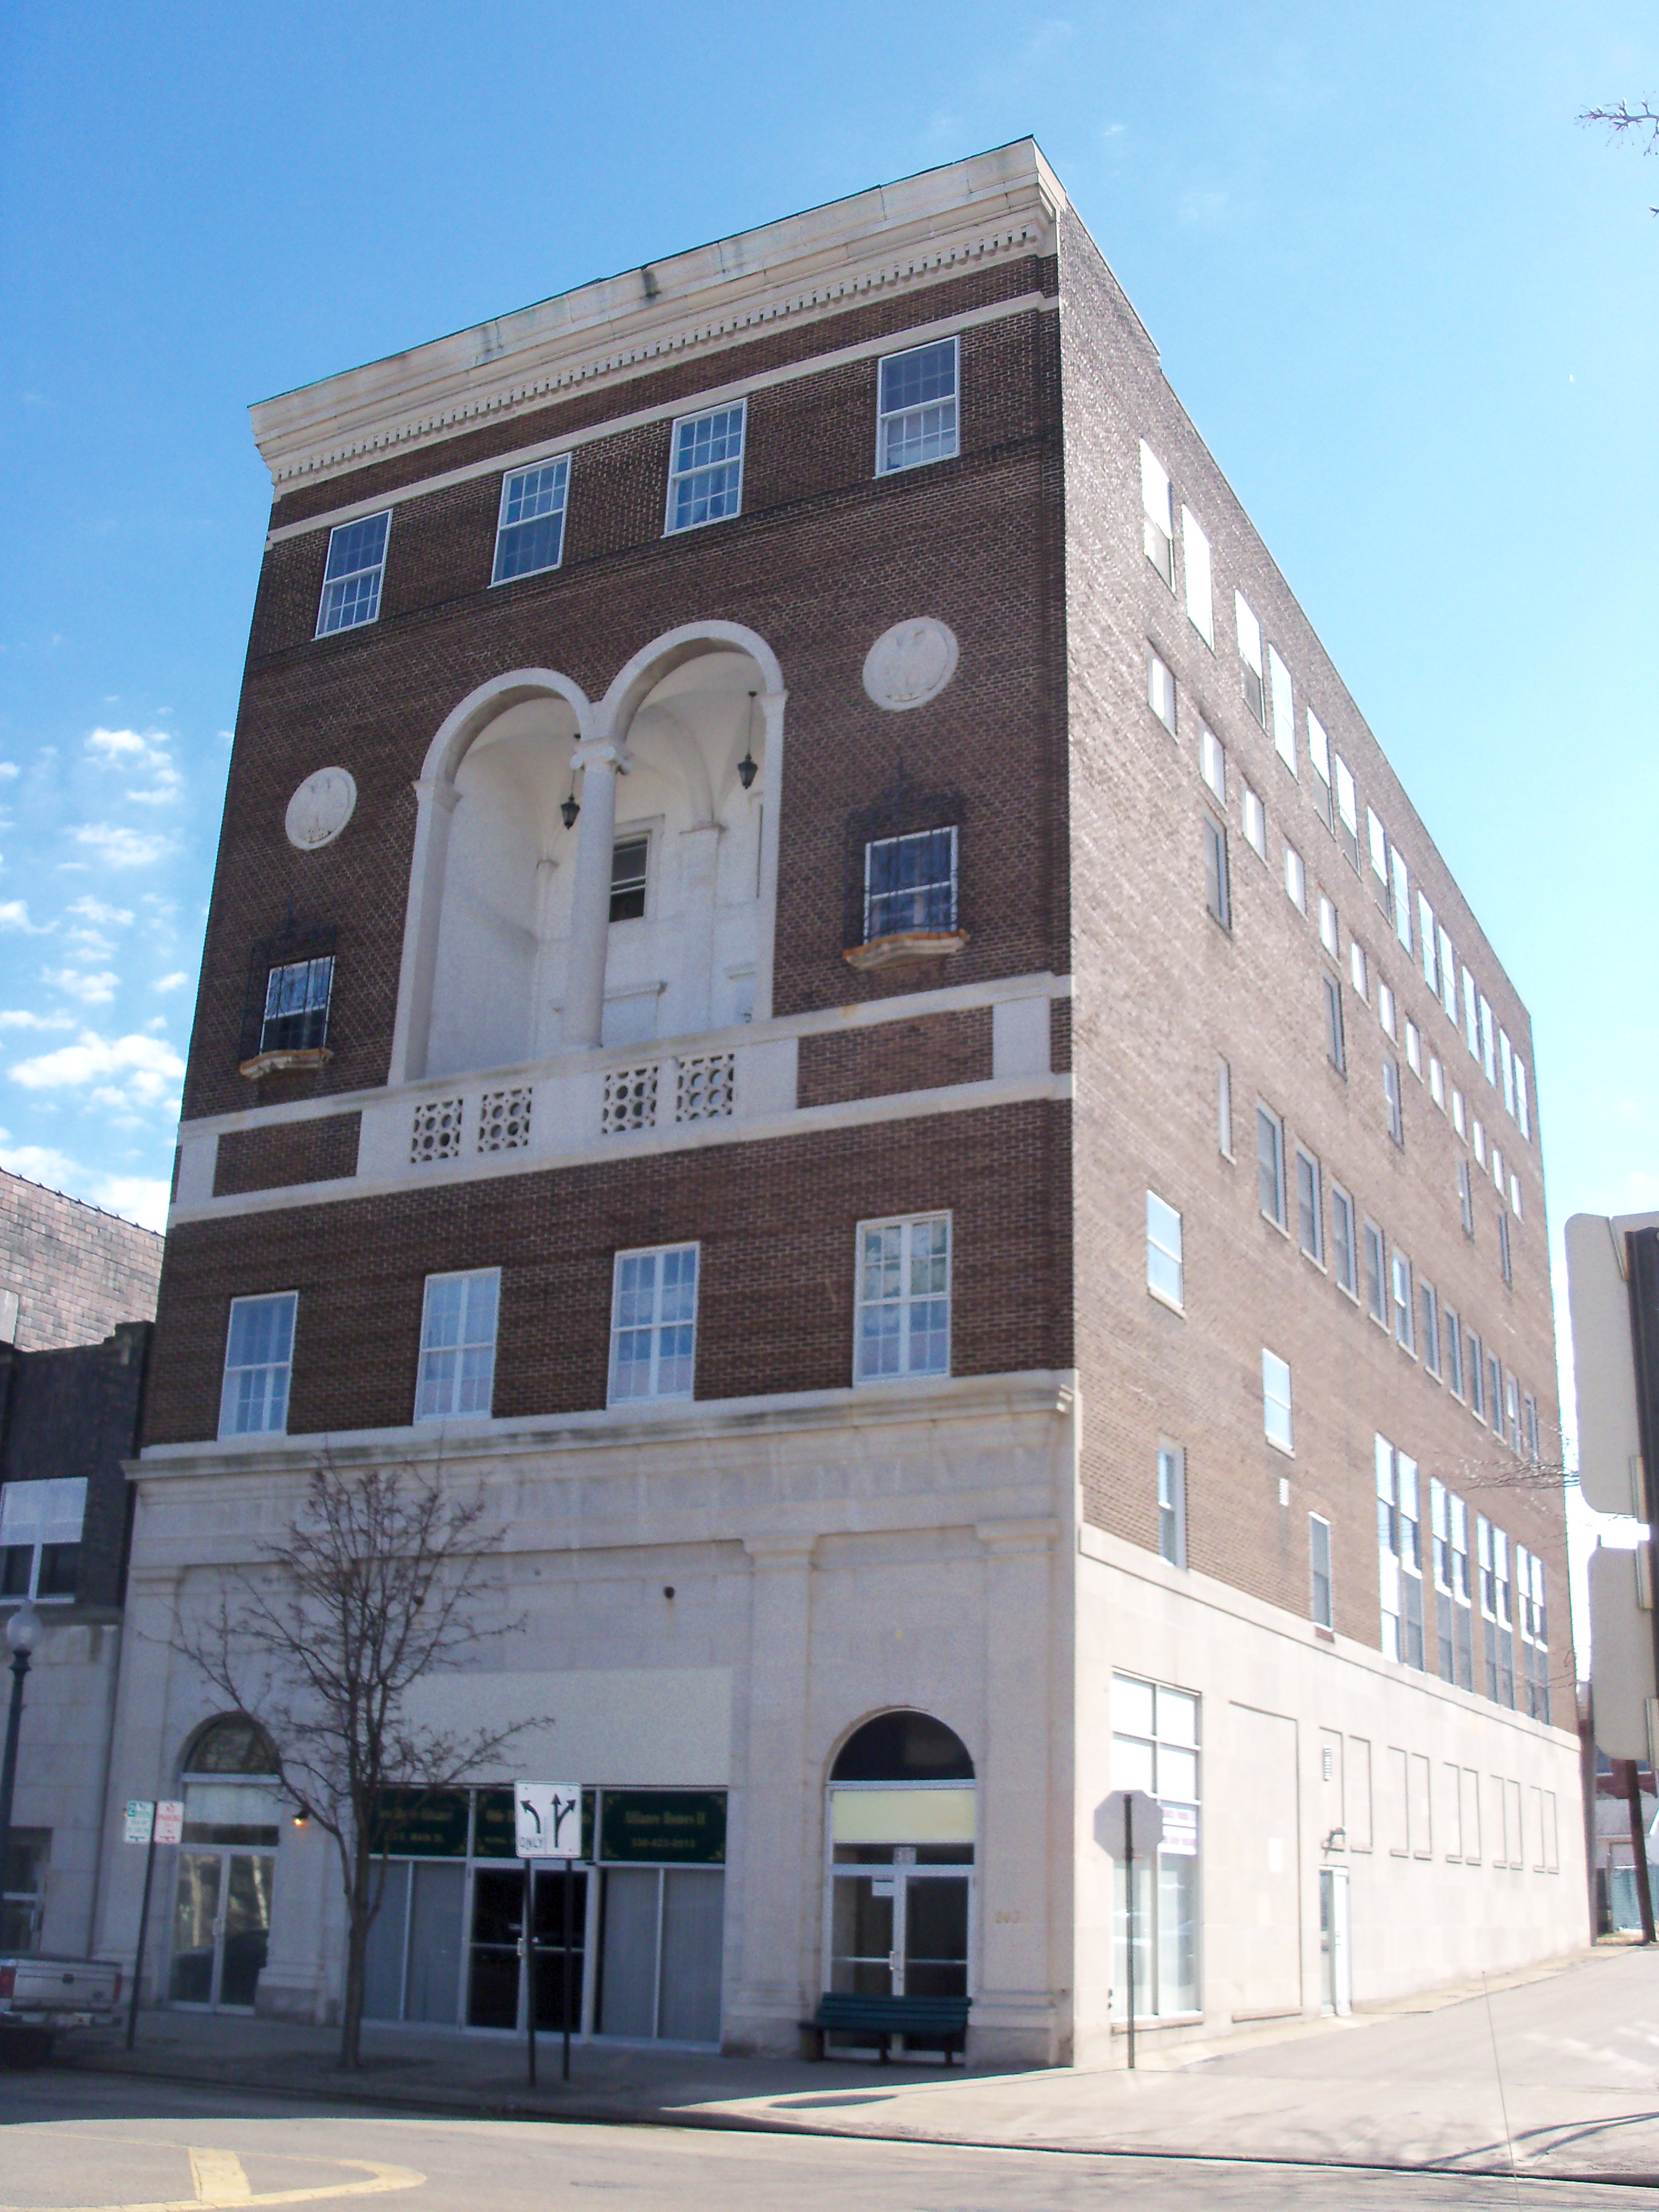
{"x":1336,"y":1042}
{"x":40,"y":1527}
{"x":1249,"y":654}
{"x":1223,"y":1109}
{"x":258,"y":1363}
{"x":1358,"y":970}
{"x":1218,"y":885}
{"x":1195,"y":548}
{"x":1376,"y":1285}
{"x":1399,"y":1553}
{"x":653,"y":1323}
{"x":1475,"y":1368}
{"x":910,"y":884}
{"x":1164,"y":1271}
{"x":705,"y":474}
{"x":1428,"y":1333}
{"x":1522,"y":1110}
{"x":530,"y":528}
{"x":1212,"y":761}
{"x":1270,"y":1164}
{"x":1459,"y":1119}
{"x":1376,"y":844}
{"x":1462,"y":1588}
{"x":1515,"y":1196}
{"x":1329,"y":934}
{"x":297,"y":995}
{"x":1405,"y":1326}
{"x":1276,"y":1418}
{"x":1319,"y":752}
{"x":1413,"y":1048}
{"x":1495,"y":1392}
{"x":917,"y":414}
{"x":1426,"y":947}
{"x":1436,"y":1081}
{"x":352,"y":578}
{"x":1506,"y":1064}
{"x":1310,"y":1207}
{"x":1529,"y":1428}
{"x":1319,"y":1570}
{"x":1347,"y":809}
{"x":631,"y":876}
{"x":1255,"y":823}
{"x":1512,"y":1413}
{"x":1448,"y":973}
{"x":1488,"y":1041}
{"x":1284,"y":717}
{"x":1471,"y":1015}
{"x":1296,"y":879}
{"x":1155,"y":1748}
{"x":1393,"y":1099}
{"x":1385,"y":1007}
{"x":1160,"y":690}
{"x":903,"y":1298}
{"x":1172,"y":1504}
{"x":457,"y":1345}
{"x":1478,"y":1140}
{"x":1505,"y":1256}
{"x":1401,"y":895}
{"x":1451,"y":1339}
{"x":1345,"y":1262}
{"x":1157,"y":519}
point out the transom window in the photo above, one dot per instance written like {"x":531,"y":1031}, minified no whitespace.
{"x":41,"y":1537}
{"x":296,"y":1007}
{"x":903,"y":1298}
{"x":705,"y":476}
{"x":351,"y":581}
{"x":653,"y":1323}
{"x":630,"y":861}
{"x":916,"y":416}
{"x":259,"y":1362}
{"x":457,"y":1345}
{"x":910,"y":882}
{"x":529,"y":533}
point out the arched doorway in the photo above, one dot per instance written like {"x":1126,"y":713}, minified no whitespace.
{"x":227,"y":1867}
{"x":902,"y":1827}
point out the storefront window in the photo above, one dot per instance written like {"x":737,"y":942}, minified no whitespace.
{"x":1155,"y":1748}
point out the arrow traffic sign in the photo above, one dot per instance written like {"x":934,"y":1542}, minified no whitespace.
{"x":548,"y":1819}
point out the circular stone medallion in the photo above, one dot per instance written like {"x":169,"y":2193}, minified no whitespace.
{"x":910,"y":664}
{"x":320,"y":808}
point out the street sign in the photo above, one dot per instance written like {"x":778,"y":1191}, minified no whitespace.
{"x":548,"y":1819}
{"x":1144,"y":1825}
{"x":170,"y":1820}
{"x":1180,"y":1837}
{"x":140,"y":1822}
{"x":1621,"y":1652}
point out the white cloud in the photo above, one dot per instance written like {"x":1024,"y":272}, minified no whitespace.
{"x":111,"y":917}
{"x":146,"y":752}
{"x":147,"y":1071}
{"x":18,"y":1018}
{"x":176,"y":981}
{"x":8,"y":769}
{"x":15,"y":915}
{"x":97,"y":990}
{"x":118,"y":847}
{"x":142,"y":1199}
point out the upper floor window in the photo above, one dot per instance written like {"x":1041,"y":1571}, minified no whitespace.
{"x":259,"y":1362}
{"x":351,"y":581}
{"x":916,"y":409}
{"x":630,"y":862}
{"x":903,"y":1298}
{"x":705,"y":476}
{"x":1160,"y":690}
{"x":1270,"y":1164}
{"x":529,"y":533}
{"x":910,"y":882}
{"x":1249,"y":654}
{"x":1319,"y":1566}
{"x":1164,"y":1270}
{"x":653,"y":1323}
{"x":297,"y":1006}
{"x":457,"y":1345}
{"x":1218,"y":889}
{"x":41,"y":1537}
{"x":1196,"y":546}
{"x":1276,"y":1400}
{"x":1172,"y":1504}
{"x":1157,"y":517}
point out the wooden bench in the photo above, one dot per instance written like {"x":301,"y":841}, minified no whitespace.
{"x":937,"y":2019}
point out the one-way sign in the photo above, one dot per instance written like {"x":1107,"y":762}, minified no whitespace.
{"x":548,"y":1819}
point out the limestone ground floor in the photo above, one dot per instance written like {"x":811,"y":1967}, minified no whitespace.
{"x":844,"y":1682}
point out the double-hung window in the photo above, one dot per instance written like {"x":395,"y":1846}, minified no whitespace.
{"x":910,"y":884}
{"x":1172,"y":1504}
{"x":1347,"y":809}
{"x":258,"y":1363}
{"x":1284,"y":715}
{"x":1344,"y":1257}
{"x":705,"y":475}
{"x":916,"y":409}
{"x":1160,"y":689}
{"x":351,"y":580}
{"x":653,"y":1323}
{"x":1270,"y":1164}
{"x":1196,"y":546}
{"x":41,"y":1537}
{"x":1336,"y":1042}
{"x":1296,"y":879}
{"x":903,"y":1298}
{"x":296,"y":1007}
{"x":1250,"y":655}
{"x":1319,"y":1564}
{"x":1319,"y":752}
{"x":1212,"y":761}
{"x":1400,"y":1550}
{"x":1376,"y":1292}
{"x":1392,"y":1099}
{"x":1448,"y":973}
{"x":630,"y":875}
{"x":1400,"y":896}
{"x":1158,"y":516}
{"x":1165,"y":1273}
{"x":1255,"y":823}
{"x":1404,"y":1326}
{"x":457,"y":1345}
{"x":1218,"y":886}
{"x":1428,"y":1335}
{"x":530,"y":529}
{"x":1451,"y":1336}
{"x":1276,"y":1418}
{"x":1309,"y":1205}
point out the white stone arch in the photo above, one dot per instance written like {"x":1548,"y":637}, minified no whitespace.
{"x":438,"y":793}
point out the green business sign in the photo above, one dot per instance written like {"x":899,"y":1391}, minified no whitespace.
{"x":679,"y":1827}
{"x":421,"y":1824}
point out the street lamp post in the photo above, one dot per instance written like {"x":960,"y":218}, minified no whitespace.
{"x":22,"y":1637}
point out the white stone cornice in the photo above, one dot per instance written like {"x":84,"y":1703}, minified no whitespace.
{"x":947,"y":221}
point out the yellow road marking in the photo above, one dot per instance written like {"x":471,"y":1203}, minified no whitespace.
{"x":212,"y":2176}
{"x":218,"y":2176}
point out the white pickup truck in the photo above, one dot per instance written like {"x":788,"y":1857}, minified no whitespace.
{"x":40,"y":1997}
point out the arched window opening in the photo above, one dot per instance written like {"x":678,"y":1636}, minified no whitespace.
{"x":903,"y":1746}
{"x":902,"y":1820}
{"x":232,"y":1744}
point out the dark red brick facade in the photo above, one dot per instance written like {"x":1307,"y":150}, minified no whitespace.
{"x":285,"y":1152}
{"x":887,"y":1057}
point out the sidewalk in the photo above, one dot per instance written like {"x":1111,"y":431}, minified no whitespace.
{"x":1564,"y":2064}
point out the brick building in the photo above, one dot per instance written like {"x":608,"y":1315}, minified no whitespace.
{"x":78,"y":1298}
{"x":813,"y":977}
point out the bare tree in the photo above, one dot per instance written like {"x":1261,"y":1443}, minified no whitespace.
{"x":378,"y":1584}
{"x":1643,"y":121}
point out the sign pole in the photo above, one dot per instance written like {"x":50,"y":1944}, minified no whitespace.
{"x":1129,"y":1915}
{"x":569,"y":1893}
{"x":528,"y":1950}
{"x":143,"y":1932}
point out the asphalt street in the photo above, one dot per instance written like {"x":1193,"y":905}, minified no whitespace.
{"x":72,"y":2143}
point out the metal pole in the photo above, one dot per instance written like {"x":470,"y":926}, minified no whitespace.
{"x":1129,"y":1913}
{"x":19,"y":1668}
{"x":144,"y":1930}
{"x":1639,"y":1842}
{"x":527,"y":1952}
{"x":569,"y":1893}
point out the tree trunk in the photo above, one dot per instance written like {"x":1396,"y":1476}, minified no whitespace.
{"x":359,"y":1913}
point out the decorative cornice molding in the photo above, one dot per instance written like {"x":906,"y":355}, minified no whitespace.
{"x":803,"y":269}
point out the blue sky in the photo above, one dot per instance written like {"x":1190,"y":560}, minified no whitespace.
{"x":1408,"y":301}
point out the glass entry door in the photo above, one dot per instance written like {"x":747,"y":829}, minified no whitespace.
{"x":221,"y":1928}
{"x":899,"y":1931}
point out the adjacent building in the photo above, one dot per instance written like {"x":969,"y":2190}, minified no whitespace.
{"x":814,"y":978}
{"x":78,"y":1298}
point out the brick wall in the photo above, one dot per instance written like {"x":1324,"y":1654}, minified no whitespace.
{"x":287,"y":1152}
{"x":76,"y":1412}
{"x":76,"y":1271}
{"x":775,"y":1295}
{"x":875,"y":1063}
